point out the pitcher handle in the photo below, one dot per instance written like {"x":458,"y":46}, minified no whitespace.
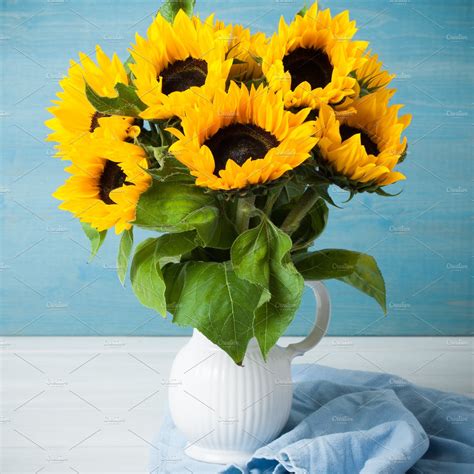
{"x":323,"y":315}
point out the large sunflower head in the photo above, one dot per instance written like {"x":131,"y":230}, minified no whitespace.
{"x":311,"y":59}
{"x":107,"y":179}
{"x":74,"y":116}
{"x":242,"y":138}
{"x":243,"y":48}
{"x":359,"y":151}
{"x":176,"y":64}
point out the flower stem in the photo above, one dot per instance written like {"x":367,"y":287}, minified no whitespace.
{"x":299,"y":211}
{"x":271,"y":200}
{"x":245,"y":206}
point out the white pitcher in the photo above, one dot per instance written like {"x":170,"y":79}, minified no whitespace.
{"x":226,"y":411}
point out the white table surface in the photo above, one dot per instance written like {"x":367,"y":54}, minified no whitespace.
{"x":94,"y":405}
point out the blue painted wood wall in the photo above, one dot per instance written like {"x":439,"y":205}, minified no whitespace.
{"x":422,"y":240}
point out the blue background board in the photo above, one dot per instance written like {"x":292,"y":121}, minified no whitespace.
{"x":422,"y":239}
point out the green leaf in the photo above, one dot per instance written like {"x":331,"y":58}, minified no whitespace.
{"x":319,"y":218}
{"x":127,"y":63}
{"x":125,"y":250}
{"x":223,"y":234}
{"x":171,"y":8}
{"x":323,"y":191}
{"x":153,"y":253}
{"x":303,"y":10}
{"x":126,"y":103}
{"x":290,"y":192}
{"x":262,"y":256}
{"x":156,"y":149}
{"x":96,"y":238}
{"x":156,"y":154}
{"x":170,"y":247}
{"x":210,"y":297}
{"x":171,"y":170}
{"x":403,"y":155}
{"x":382,"y":192}
{"x":356,"y":269}
{"x":179,"y":207}
{"x":175,"y":207}
{"x":313,"y":224}
{"x":146,"y":277}
{"x":308,"y":175}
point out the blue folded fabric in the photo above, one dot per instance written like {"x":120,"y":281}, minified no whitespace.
{"x":345,"y":421}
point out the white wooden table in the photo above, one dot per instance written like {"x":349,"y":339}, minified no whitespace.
{"x":94,"y":405}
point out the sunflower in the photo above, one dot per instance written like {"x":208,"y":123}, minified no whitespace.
{"x":359,"y":151}
{"x":242,"y":138}
{"x":370,"y":74}
{"x":107,"y":179}
{"x":74,"y":116}
{"x":243,"y":48}
{"x":176,"y":64}
{"x":311,"y":59}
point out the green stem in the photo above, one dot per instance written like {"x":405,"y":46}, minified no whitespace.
{"x":299,"y":211}
{"x":163,"y":137}
{"x":301,"y":246}
{"x":245,"y":206}
{"x":271,"y":200}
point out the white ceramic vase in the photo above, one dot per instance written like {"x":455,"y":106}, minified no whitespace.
{"x":227,"y":412}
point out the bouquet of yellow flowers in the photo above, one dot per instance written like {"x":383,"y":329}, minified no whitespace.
{"x":226,"y":143}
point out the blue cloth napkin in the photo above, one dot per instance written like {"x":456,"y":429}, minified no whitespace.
{"x":345,"y":421}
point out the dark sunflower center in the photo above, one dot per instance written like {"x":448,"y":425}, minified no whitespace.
{"x":95,"y":120}
{"x":112,"y":178}
{"x":239,"y":142}
{"x":181,"y":75}
{"x":370,"y":147}
{"x":310,"y":65}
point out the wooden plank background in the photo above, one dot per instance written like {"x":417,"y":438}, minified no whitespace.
{"x":422,"y":239}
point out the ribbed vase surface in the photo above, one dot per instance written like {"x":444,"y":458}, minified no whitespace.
{"x":226,"y":411}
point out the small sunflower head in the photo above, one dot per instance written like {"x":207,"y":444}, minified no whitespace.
{"x":176,"y":64}
{"x":107,"y":177}
{"x":311,"y":59}
{"x":242,"y":47}
{"x":242,"y":138}
{"x":74,"y":116}
{"x":370,"y":74}
{"x":359,"y":149}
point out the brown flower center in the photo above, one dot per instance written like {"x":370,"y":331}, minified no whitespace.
{"x":370,"y":147}
{"x":95,"y":120}
{"x":183,"y":74}
{"x":310,"y":65}
{"x":239,"y":142}
{"x":112,"y":178}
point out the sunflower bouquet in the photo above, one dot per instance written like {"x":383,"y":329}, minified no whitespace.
{"x":226,"y":143}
